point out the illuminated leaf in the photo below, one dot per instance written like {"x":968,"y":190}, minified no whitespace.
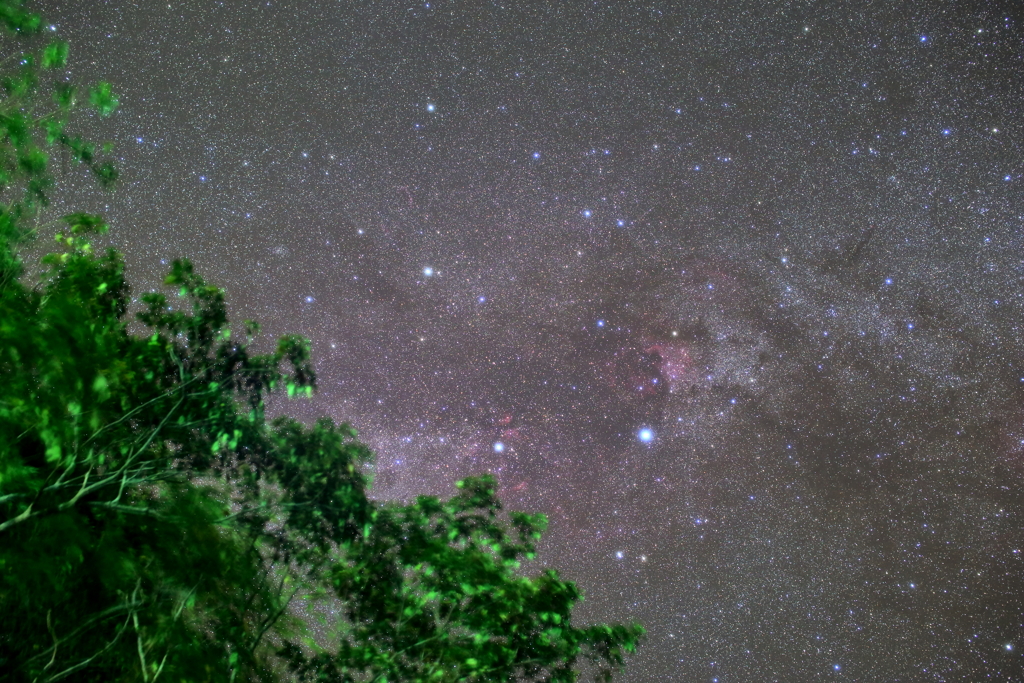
{"x":101,"y":97}
{"x":55,"y":55}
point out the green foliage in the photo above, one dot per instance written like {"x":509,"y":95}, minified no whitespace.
{"x":154,"y":525}
{"x":432,"y":592}
{"x":104,"y":518}
{"x":102,"y":97}
{"x":36,"y":107}
{"x":55,"y":55}
{"x":16,"y":19}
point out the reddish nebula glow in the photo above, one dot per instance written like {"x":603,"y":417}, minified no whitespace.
{"x":674,"y":365}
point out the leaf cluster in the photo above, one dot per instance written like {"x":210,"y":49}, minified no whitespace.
{"x":433,"y":592}
{"x":37,"y":102}
{"x":115,"y":455}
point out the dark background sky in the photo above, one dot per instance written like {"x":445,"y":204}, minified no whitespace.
{"x":785,"y":237}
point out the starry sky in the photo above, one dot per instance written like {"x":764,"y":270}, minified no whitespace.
{"x":730,"y":290}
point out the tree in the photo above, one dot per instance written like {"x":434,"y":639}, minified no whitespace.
{"x":153,"y":523}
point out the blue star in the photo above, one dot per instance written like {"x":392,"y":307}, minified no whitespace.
{"x":587,"y":213}
{"x":646,"y":435}
{"x":600,"y":323}
{"x":428,"y":271}
{"x":431,"y":108}
{"x":498,"y":447}
{"x":536,"y":155}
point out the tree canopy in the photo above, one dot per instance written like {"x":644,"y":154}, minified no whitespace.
{"x":155,"y":525}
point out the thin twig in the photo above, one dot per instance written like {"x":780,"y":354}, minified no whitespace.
{"x":53,"y":634}
{"x":84,"y":663}
{"x":138,"y":640}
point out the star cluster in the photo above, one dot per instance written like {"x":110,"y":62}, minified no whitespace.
{"x":731,"y":291}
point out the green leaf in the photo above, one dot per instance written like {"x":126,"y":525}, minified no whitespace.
{"x":85,"y":224}
{"x":101,"y":388}
{"x":106,"y":173}
{"x":53,"y":128}
{"x":33,"y":162}
{"x":101,"y":97}
{"x":18,"y":20}
{"x":64,"y":95}
{"x":55,"y":55}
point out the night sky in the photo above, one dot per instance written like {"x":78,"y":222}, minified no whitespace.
{"x":731,"y":290}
